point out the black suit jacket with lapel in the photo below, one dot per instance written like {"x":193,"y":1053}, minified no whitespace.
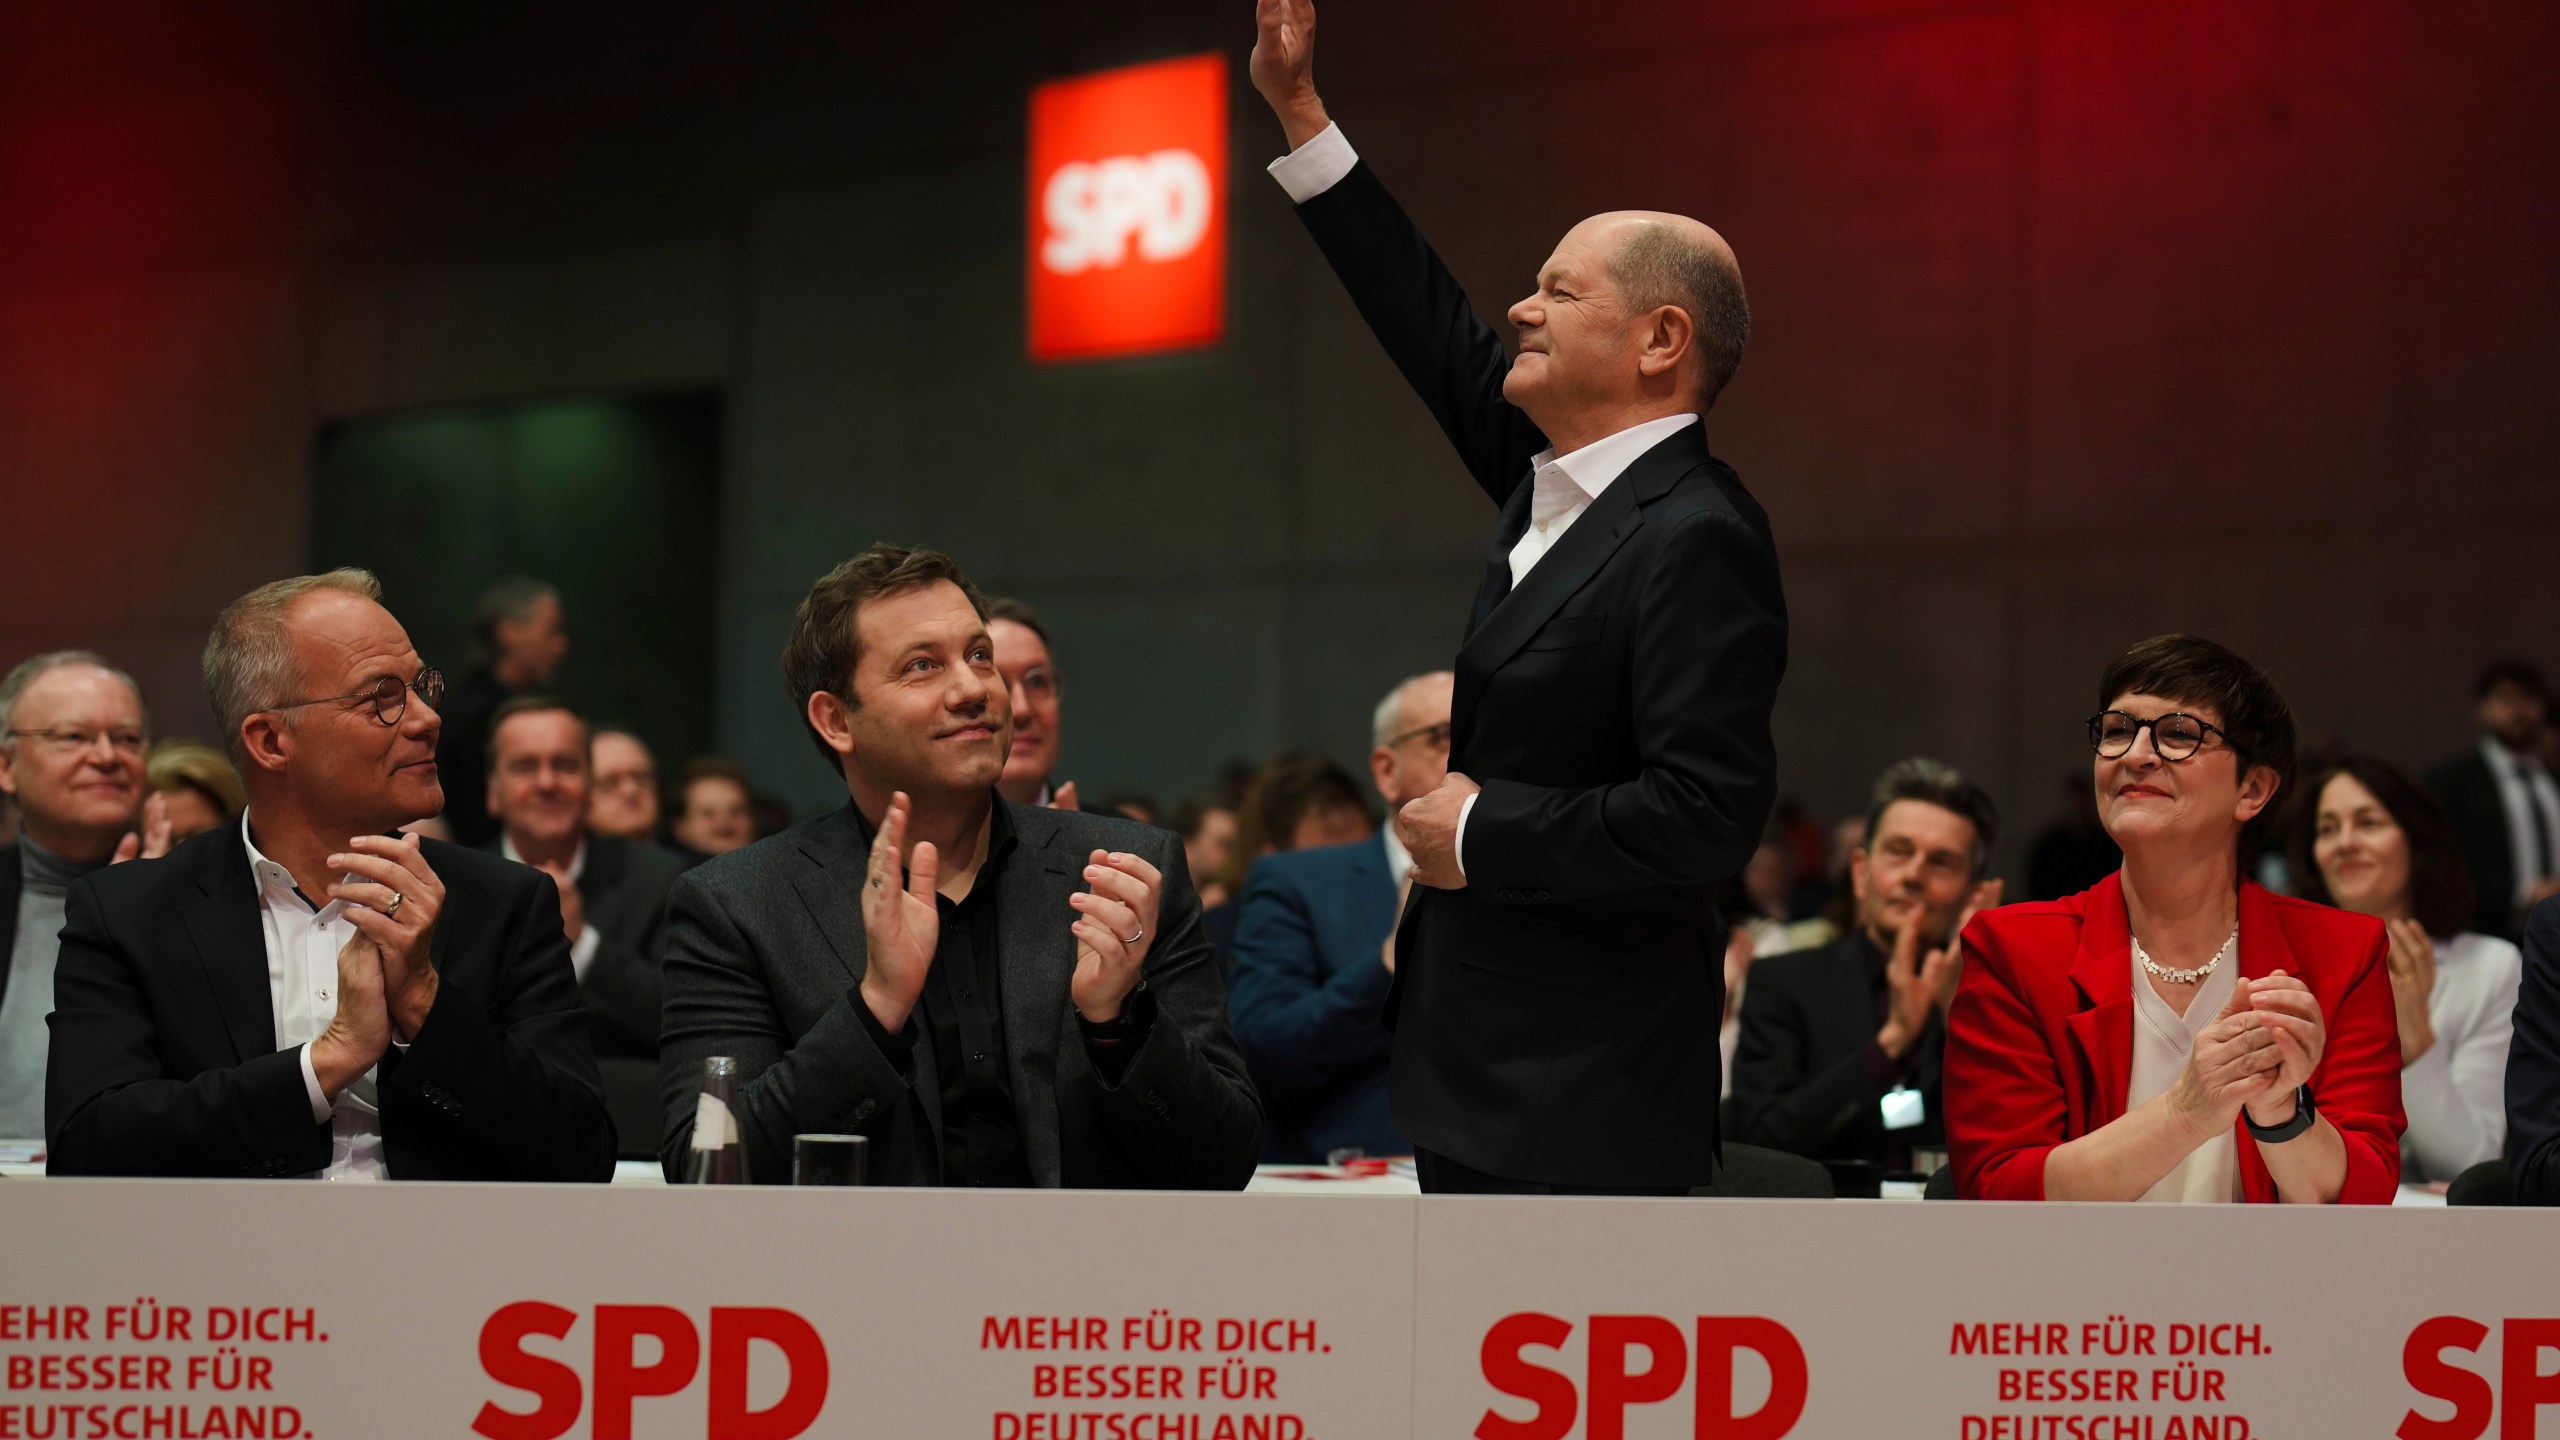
{"x":2478,"y":810}
{"x":765,"y":957}
{"x":164,"y":1058}
{"x":1556,"y":1019}
{"x":623,"y":890}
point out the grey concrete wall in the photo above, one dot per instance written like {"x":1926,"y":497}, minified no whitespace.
{"x":2076,"y":322}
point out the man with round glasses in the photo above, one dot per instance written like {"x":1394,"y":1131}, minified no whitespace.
{"x":310,"y":993}
{"x":73,"y":729}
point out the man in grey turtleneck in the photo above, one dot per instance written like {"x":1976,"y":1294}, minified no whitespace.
{"x":72,"y":733}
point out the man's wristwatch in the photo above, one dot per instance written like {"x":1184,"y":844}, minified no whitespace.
{"x":2304,"y":1113}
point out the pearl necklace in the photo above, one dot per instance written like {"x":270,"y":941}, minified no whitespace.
{"x":2168,"y":976}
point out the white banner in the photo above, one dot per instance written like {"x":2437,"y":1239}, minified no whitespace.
{"x":195,"y":1310}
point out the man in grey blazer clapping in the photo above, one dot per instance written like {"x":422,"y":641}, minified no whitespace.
{"x":993,"y":994}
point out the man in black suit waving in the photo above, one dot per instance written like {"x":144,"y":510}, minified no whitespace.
{"x":1557,"y":990}
{"x":993,"y":994}
{"x":307,"y":993}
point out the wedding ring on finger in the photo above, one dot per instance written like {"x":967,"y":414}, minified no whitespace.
{"x":1134,"y":939}
{"x":392,"y":911}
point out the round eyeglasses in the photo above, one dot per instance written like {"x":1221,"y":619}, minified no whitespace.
{"x":2176,"y":735}
{"x":390,"y":696}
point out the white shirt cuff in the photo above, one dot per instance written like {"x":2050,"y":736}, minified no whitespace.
{"x":1315,"y":167}
{"x":582,"y":951}
{"x":1465,"y":809}
{"x":311,"y":1087}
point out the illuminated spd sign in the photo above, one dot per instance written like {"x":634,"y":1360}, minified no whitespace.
{"x":1129,"y":210}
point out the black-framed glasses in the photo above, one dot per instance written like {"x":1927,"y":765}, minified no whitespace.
{"x":1438,"y":735}
{"x":2176,"y":735}
{"x":390,"y":696}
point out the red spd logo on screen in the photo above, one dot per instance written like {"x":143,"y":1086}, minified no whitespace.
{"x":1128,"y":210}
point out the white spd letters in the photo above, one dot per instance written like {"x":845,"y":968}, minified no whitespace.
{"x":1095,"y":210}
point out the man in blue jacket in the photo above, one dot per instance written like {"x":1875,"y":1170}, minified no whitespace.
{"x":1313,"y":958}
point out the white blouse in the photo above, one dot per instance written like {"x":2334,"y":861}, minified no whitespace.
{"x":2455,"y":1094}
{"x":2162,"y":1040}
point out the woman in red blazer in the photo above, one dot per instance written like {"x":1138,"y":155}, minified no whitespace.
{"x":2176,"y":1032}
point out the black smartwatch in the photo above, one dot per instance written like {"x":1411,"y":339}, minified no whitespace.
{"x":2304,"y":1113}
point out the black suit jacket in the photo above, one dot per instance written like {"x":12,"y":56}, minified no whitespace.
{"x":765,"y":958}
{"x":2479,"y":813}
{"x":1556,"y":1020}
{"x":1802,"y":1076}
{"x":164,"y":1058}
{"x":624,"y":890}
{"x":2533,"y":1064}
{"x":11,"y":882}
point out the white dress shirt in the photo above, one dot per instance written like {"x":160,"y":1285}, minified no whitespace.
{"x":2162,"y":1040}
{"x":302,"y":989}
{"x":582,"y":951}
{"x":2456,"y":1093}
{"x":2522,"y":781}
{"x":1564,"y":485}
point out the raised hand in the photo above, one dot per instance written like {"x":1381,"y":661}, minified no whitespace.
{"x":152,"y":840}
{"x":1115,"y":927}
{"x":1283,"y":66}
{"x":2286,"y":1010}
{"x":1915,"y":986}
{"x":1064,"y":798}
{"x":361,"y":1030}
{"x":573,"y":904}
{"x":2235,"y":1061}
{"x":2412,"y":962}
{"x":393,"y":898}
{"x":901,"y":921}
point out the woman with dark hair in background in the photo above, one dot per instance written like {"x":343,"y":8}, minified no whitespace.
{"x":2177,"y":1032}
{"x":2373,"y":840}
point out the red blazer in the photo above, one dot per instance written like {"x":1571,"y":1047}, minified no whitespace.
{"x":2040,"y":1040}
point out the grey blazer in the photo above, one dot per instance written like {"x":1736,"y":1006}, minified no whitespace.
{"x":764,"y":955}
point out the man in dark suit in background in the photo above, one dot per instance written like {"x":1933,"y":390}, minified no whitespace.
{"x":2504,"y":803}
{"x":1557,"y":990}
{"x":1838,"y":1056}
{"x":1312,"y":963}
{"x":518,"y":639}
{"x":994,"y":994}
{"x":306,"y":993}
{"x":2533,"y":1065}
{"x":613,"y":898}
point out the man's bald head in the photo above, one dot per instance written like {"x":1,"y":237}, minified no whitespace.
{"x":1663,"y":259}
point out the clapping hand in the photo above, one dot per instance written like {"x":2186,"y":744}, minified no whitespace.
{"x":152,"y":840}
{"x":2285,"y":1009}
{"x":901,"y":918}
{"x":1115,"y":927}
{"x":2235,"y":1061}
{"x":2412,"y":962}
{"x":393,"y":898}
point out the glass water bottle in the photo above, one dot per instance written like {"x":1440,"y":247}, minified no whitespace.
{"x":717,"y":1155}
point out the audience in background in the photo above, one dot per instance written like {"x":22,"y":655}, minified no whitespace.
{"x":1300,"y":800}
{"x":1038,"y":692}
{"x":613,"y":898}
{"x":518,"y":639}
{"x":197,"y":785}
{"x":2503,"y":801}
{"x":2074,"y":852}
{"x":301,"y":995}
{"x":714,"y":809}
{"x":73,"y":729}
{"x":1208,"y":831}
{"x":2177,"y":1033}
{"x":622,"y":789}
{"x":1313,"y":959}
{"x":8,"y":821}
{"x":1131,"y":805}
{"x":1840,"y":1047}
{"x":2372,"y":840}
{"x":2533,"y":1065}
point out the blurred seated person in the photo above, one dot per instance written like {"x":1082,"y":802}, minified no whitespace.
{"x":518,"y":639}
{"x":993,"y":994}
{"x":2533,"y":1065}
{"x":1208,"y":831}
{"x":199,"y":788}
{"x":2377,"y":843}
{"x":1313,"y":953}
{"x":1298,"y":801}
{"x":622,"y":789}
{"x":303,"y":994}
{"x":2503,"y":800}
{"x":613,"y":898}
{"x":1133,"y":805}
{"x":1840,"y":1046}
{"x":2177,"y":1033}
{"x":768,"y":814}
{"x":73,"y":730}
{"x":715,"y":810}
{"x":1038,"y":690}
